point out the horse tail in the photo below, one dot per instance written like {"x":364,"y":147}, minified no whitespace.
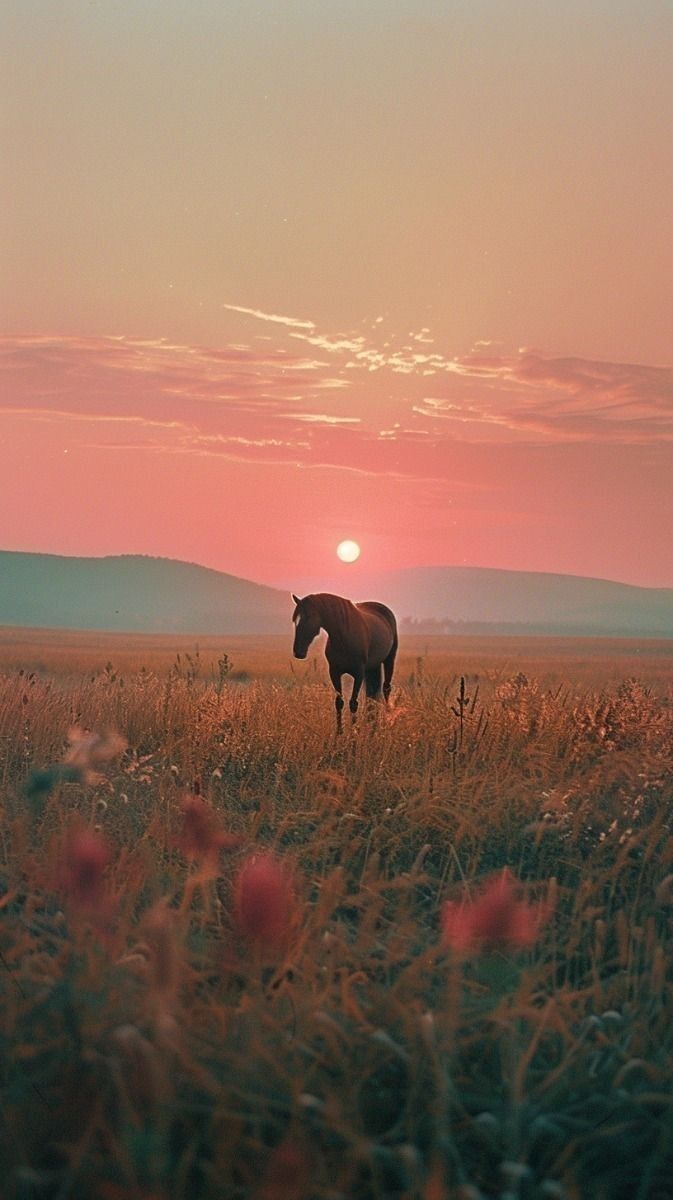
{"x":373,"y":676}
{"x":389,"y":667}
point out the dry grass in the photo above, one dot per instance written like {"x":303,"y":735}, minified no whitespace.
{"x":154,"y":1048}
{"x":590,"y":662}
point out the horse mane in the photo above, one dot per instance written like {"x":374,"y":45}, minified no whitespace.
{"x":335,"y":610}
{"x":335,"y":604}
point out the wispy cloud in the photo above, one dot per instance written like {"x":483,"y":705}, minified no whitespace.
{"x":321,"y":419}
{"x":275,"y":318}
{"x":135,"y":394}
{"x":56,"y":415}
{"x":349,"y":403}
{"x":561,"y":398}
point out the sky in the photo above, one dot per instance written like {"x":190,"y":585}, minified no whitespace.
{"x":277,"y":274}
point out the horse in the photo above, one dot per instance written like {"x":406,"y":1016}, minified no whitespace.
{"x":361,"y":641}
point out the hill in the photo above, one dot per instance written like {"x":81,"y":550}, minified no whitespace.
{"x":527,"y":601}
{"x":136,"y":593}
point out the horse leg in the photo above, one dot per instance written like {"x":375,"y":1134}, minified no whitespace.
{"x":357,"y":684}
{"x":388,"y":668}
{"x":335,"y":676}
{"x":373,"y":682}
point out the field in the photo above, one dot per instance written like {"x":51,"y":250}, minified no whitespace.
{"x":243,"y":957}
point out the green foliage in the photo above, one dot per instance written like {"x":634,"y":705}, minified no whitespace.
{"x":148,"y":1050}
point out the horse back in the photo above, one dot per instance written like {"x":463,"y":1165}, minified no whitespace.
{"x":382,"y":626}
{"x":380,"y":610}
{"x":357,"y":634}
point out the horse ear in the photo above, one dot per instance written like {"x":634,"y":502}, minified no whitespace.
{"x":296,"y":598}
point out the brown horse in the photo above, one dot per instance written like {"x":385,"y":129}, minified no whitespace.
{"x":361,"y":641}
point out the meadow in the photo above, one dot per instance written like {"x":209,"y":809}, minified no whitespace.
{"x":429,"y":959}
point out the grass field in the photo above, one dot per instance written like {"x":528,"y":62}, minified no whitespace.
{"x":242,"y":957}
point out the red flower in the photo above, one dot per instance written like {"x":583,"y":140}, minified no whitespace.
{"x":263,"y":900}
{"x":200,"y":837}
{"x":495,"y":920}
{"x":83,"y":873}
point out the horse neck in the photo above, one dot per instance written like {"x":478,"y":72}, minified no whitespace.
{"x":334,"y":613}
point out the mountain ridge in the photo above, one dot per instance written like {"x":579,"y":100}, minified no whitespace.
{"x":145,"y":593}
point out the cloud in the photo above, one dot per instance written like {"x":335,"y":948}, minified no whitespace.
{"x":321,"y":419}
{"x":275,"y":318}
{"x":562,"y":398}
{"x":56,"y":415}
{"x":114,"y":374}
{"x":258,"y":404}
{"x":352,"y":406}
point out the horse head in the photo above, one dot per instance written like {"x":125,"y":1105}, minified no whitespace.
{"x":306,"y":621}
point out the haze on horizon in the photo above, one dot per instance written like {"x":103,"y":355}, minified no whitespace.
{"x":280,"y":275}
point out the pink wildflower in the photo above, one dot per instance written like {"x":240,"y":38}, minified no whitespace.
{"x":263,"y":900}
{"x":495,"y":920}
{"x":83,"y":872}
{"x":200,"y":838}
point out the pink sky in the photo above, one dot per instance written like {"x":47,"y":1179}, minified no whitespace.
{"x":274,"y":279}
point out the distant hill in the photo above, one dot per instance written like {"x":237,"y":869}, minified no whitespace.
{"x":526,"y":602}
{"x":141,"y":594}
{"x":135,"y":593}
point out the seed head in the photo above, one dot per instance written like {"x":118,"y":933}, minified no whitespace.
{"x":495,"y":920}
{"x":83,"y":872}
{"x":263,"y":900}
{"x":200,"y":837}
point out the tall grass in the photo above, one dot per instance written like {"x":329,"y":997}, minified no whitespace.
{"x":155,"y":1046}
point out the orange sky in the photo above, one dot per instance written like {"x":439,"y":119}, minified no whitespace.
{"x":278,"y":274}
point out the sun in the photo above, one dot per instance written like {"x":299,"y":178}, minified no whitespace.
{"x":348,"y":551}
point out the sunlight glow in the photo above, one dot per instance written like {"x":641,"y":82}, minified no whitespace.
{"x":348,"y":551}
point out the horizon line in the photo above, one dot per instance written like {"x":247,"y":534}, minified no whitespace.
{"x":355,"y":568}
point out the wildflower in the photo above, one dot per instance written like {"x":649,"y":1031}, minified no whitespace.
{"x":200,"y":838}
{"x":263,"y":900}
{"x":83,"y":872}
{"x":495,"y":920}
{"x":90,"y":750}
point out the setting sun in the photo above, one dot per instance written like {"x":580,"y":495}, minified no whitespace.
{"x":348,"y":551}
